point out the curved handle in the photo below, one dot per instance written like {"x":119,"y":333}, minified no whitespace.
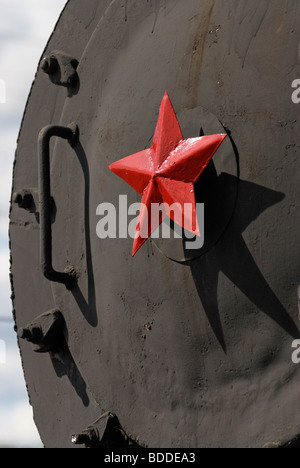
{"x":70,"y":133}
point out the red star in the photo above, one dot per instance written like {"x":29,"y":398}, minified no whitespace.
{"x":166,"y":173}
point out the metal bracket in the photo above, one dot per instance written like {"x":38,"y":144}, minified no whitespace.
{"x":26,"y":199}
{"x":61,"y":68}
{"x":106,"y":432}
{"x":45,"y":332}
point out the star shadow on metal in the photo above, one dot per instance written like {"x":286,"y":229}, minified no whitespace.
{"x":233,"y":258}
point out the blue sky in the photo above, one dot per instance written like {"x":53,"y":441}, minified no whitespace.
{"x":25,"y":26}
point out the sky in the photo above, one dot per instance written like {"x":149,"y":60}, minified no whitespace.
{"x":25,"y":26}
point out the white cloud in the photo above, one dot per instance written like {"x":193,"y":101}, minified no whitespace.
{"x":33,"y":19}
{"x":5,"y":301}
{"x":16,"y":420}
{"x":16,"y":428}
{"x":11,"y":375}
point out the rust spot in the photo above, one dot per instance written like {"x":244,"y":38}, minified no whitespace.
{"x":148,"y":326}
{"x":198,"y":50}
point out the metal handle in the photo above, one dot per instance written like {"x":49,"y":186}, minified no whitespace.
{"x":70,"y":133}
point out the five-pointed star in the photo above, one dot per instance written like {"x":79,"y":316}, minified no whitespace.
{"x":165,"y":174}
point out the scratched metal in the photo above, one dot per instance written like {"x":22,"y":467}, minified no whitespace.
{"x":193,"y":354}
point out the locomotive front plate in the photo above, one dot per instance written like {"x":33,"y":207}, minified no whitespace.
{"x":184,"y":347}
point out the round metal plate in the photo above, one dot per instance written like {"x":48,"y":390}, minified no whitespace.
{"x":187,"y":355}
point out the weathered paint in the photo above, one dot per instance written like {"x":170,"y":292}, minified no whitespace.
{"x":186,"y":355}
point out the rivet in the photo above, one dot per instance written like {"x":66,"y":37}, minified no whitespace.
{"x":49,"y":65}
{"x":84,"y":438}
{"x":32,"y":334}
{"x":17,"y":198}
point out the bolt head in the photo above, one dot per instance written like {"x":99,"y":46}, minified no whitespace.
{"x":81,"y":439}
{"x":33,"y":334}
{"x":17,"y":198}
{"x":24,"y":333}
{"x":49,"y":65}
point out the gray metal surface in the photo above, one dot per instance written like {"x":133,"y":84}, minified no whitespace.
{"x":194,"y":354}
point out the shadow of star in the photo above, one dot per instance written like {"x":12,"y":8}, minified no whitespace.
{"x":232,"y":257}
